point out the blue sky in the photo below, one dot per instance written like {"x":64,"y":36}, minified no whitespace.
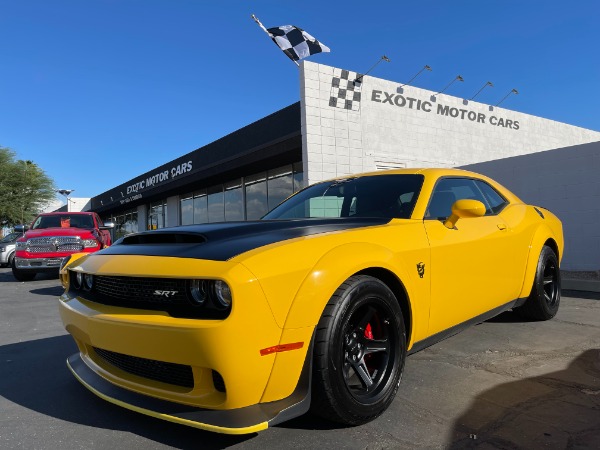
{"x":97,"y":92}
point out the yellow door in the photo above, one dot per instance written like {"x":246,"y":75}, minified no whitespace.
{"x":473,"y":266}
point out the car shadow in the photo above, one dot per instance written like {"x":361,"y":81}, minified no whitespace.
{"x":556,"y":410}
{"x":309,"y":421}
{"x":54,"y":291}
{"x":34,"y":374}
{"x":509,"y":316}
{"x":7,"y":276}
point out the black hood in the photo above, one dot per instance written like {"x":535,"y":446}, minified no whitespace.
{"x":223,"y":241}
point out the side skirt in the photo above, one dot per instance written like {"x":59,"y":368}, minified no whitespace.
{"x":418,"y":346}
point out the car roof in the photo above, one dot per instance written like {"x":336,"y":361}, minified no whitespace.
{"x":428,"y":171}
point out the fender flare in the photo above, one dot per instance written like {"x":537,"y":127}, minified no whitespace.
{"x":326,"y":276}
{"x":540,"y":237}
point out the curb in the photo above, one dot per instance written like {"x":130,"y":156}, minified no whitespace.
{"x":580,"y":285}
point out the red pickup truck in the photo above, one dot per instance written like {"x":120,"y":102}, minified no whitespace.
{"x":53,"y":236}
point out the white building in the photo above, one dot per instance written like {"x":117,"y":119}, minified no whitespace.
{"x":347,"y":123}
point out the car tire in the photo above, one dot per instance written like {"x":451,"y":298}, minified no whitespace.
{"x":359,"y":352}
{"x":11,"y":257}
{"x":544,"y":300}
{"x":21,"y":275}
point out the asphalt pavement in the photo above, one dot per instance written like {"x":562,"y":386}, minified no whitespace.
{"x":505,"y":383}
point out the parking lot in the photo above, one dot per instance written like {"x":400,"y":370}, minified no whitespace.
{"x":504,"y":383}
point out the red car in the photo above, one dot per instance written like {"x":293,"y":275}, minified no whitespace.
{"x":53,"y":236}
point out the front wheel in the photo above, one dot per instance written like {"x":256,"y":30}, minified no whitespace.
{"x":544,"y":300}
{"x":359,"y":352}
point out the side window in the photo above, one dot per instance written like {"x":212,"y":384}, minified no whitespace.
{"x":449,"y":190}
{"x":495,"y":202}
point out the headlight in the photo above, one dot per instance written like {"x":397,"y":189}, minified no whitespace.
{"x":223,"y":294}
{"x":77,"y":279}
{"x":88,"y":281}
{"x":22,"y":245}
{"x":199,"y":291}
{"x":212,"y":295}
{"x":2,"y":249}
{"x":90,"y":243}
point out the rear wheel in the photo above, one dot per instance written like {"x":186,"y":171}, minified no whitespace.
{"x":21,"y":275}
{"x":544,"y":300}
{"x":359,"y":352}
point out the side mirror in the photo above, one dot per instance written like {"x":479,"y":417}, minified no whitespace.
{"x":464,"y":209}
{"x":21,"y":228}
{"x":110,"y":226}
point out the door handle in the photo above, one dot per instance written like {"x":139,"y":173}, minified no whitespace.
{"x":501,"y":226}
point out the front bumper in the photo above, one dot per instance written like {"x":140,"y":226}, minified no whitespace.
{"x":246,"y":420}
{"x":222,"y":358}
{"x":38,"y":264}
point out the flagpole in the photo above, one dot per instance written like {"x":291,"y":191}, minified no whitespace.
{"x":258,"y":22}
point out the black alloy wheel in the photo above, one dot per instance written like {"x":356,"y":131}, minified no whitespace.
{"x":359,"y":352}
{"x":369,"y":347}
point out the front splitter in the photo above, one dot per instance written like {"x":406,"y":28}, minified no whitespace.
{"x":250,"y":419}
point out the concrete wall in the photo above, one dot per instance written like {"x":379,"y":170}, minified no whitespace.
{"x":350,"y":127}
{"x":567,"y":182}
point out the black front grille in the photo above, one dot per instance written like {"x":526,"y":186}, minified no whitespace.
{"x":136,"y":289}
{"x":165,"y":372}
{"x":171,"y":295}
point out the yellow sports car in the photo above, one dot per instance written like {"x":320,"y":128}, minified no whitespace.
{"x":235,"y":327}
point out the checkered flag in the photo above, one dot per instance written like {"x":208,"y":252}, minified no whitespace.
{"x":296,"y":43}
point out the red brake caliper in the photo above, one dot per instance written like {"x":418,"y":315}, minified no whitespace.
{"x":368,"y":335}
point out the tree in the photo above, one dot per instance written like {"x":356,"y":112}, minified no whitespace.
{"x":24,"y":189}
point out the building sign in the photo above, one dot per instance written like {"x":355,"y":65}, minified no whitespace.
{"x":159,"y":178}
{"x":134,"y":191}
{"x":398,"y":100}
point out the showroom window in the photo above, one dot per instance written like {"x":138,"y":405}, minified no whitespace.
{"x":234,"y":201}
{"x":216,"y":206}
{"x":247,"y":198}
{"x":125,"y":223}
{"x":187,"y":210}
{"x":256,"y":196}
{"x":157,"y":215}
{"x":280,"y":185}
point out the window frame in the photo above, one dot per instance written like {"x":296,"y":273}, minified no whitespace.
{"x":475,"y":180}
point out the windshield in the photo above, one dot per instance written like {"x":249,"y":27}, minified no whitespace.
{"x":63,"y":221}
{"x":371,"y":196}
{"x":11,"y":237}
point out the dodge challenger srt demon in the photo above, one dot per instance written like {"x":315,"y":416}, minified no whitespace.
{"x":235,"y":327}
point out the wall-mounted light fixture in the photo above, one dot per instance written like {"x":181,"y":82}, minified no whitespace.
{"x":513,"y":91}
{"x":360,"y":77}
{"x":489,"y":83}
{"x":458,"y":78}
{"x":426,"y":67}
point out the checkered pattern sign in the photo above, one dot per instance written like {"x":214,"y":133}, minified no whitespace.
{"x":295,"y":42}
{"x":346,"y":90}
